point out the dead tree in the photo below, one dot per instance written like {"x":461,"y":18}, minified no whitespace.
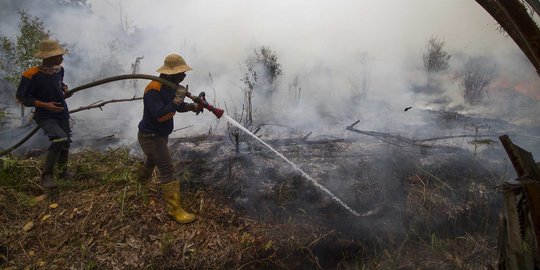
{"x":262,"y":72}
{"x":236,"y":135}
{"x":295,"y":90}
{"x":135,"y":69}
{"x":477,"y":76}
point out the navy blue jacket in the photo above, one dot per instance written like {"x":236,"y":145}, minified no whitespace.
{"x":36,"y":85}
{"x":159,"y":109}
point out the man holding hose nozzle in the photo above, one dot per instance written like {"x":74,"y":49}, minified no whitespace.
{"x":160,"y":105}
{"x":43,"y":87}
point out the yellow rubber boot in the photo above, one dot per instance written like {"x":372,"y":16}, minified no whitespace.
{"x":171,"y":195}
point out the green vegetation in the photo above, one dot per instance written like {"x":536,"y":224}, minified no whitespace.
{"x":17,"y":54}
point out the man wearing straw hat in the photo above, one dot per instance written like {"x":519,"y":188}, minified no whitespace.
{"x":43,"y":87}
{"x":160,"y":105}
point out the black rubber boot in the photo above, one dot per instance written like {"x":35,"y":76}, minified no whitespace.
{"x":47,"y":180}
{"x":62,"y":165}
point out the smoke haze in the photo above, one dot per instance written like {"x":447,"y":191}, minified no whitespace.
{"x":353,"y":60}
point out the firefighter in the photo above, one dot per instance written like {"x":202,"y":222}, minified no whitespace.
{"x":160,"y":105}
{"x":43,"y":87}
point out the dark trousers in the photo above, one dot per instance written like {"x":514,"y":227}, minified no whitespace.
{"x":59,"y":134}
{"x":157,"y":154}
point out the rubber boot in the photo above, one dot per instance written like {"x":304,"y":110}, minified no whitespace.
{"x":62,"y":165}
{"x":47,"y":180}
{"x":171,"y":195}
{"x":144,"y":173}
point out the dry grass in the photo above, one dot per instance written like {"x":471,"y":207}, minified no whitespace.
{"x":105,"y":220}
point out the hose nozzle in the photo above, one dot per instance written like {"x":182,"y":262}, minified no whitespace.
{"x":217,"y":112}
{"x":201,"y":99}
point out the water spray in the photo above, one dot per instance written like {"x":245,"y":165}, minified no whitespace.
{"x":307,"y":176}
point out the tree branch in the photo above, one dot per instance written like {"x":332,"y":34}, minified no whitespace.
{"x":92,"y":106}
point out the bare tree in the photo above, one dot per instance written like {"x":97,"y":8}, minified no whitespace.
{"x":477,"y":75}
{"x":295,"y":90}
{"x":361,"y":81}
{"x":74,"y":3}
{"x":108,"y":59}
{"x":235,"y":134}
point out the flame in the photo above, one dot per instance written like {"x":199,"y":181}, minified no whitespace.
{"x":529,"y":87}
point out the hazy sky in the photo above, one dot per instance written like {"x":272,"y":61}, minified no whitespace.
{"x":304,"y":32}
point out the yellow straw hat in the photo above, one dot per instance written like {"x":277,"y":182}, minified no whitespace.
{"x":49,"y":48}
{"x":173,"y":64}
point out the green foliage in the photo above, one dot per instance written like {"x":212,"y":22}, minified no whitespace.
{"x":18,"y":55}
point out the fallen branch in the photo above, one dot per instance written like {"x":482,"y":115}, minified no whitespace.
{"x":182,"y":128}
{"x":36,"y":128}
{"x":96,"y":83}
{"x":380,"y":135}
{"x":417,"y":142}
{"x":100,"y":104}
{"x":303,"y":140}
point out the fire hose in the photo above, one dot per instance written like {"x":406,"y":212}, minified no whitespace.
{"x":200,"y":99}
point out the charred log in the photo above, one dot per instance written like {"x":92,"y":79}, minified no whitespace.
{"x":398,"y":140}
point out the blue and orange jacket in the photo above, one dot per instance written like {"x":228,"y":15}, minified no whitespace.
{"x":159,"y":109}
{"x":36,"y":85}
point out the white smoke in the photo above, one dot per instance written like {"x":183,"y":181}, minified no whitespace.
{"x":317,"y":43}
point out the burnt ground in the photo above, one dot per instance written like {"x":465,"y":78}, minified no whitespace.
{"x":420,"y":208}
{"x":401,"y":193}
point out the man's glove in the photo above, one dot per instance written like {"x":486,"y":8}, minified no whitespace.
{"x":195,"y":107}
{"x":181,"y":92}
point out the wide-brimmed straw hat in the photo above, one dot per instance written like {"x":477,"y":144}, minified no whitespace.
{"x":173,"y":64}
{"x":49,"y":48}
